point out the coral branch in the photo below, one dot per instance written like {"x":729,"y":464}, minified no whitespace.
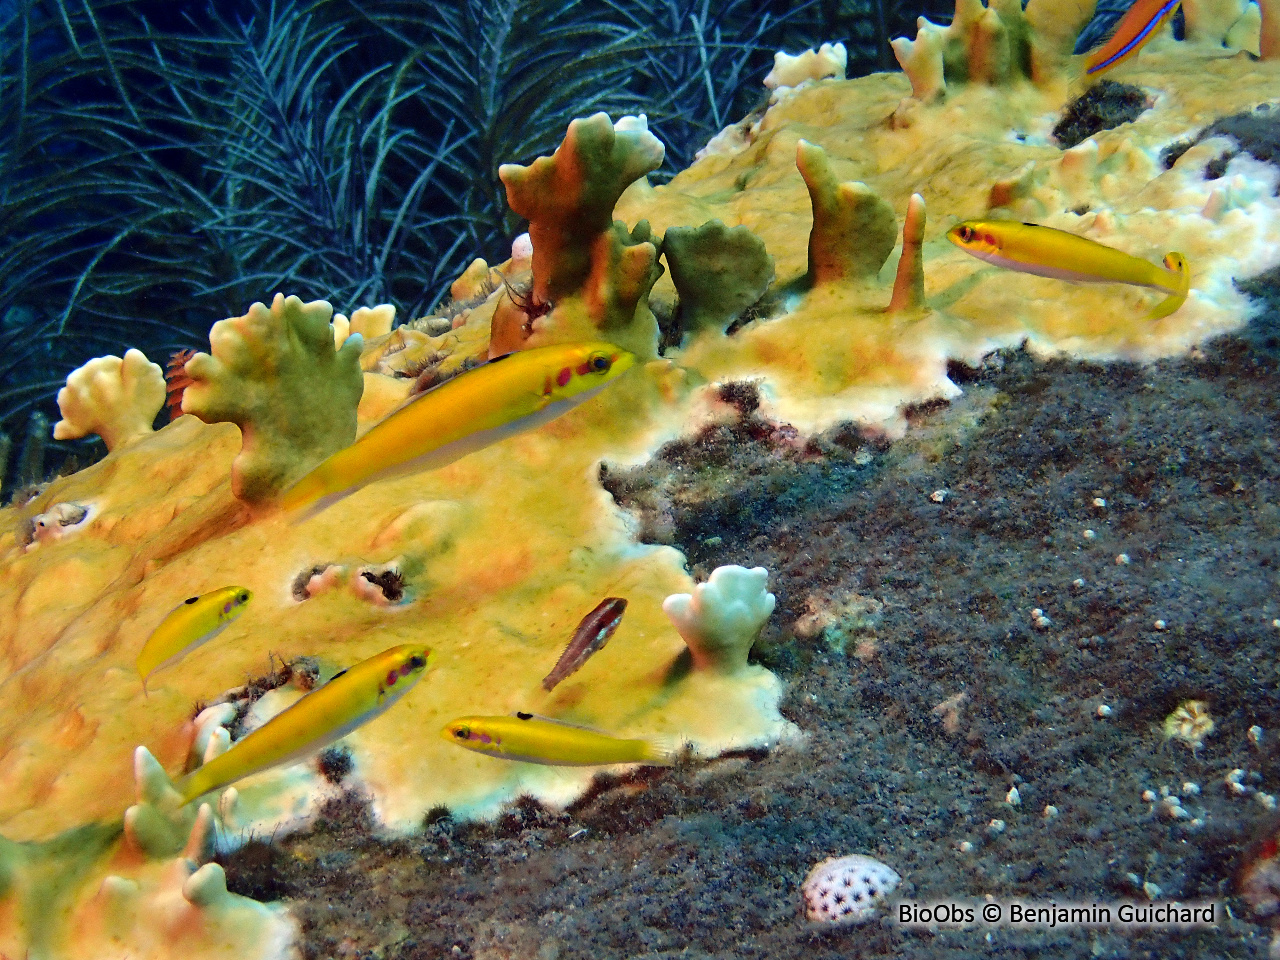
{"x":116,"y":399}
{"x":722,"y":618}
{"x":569,"y":197}
{"x":908,"y":285}
{"x":854,"y":230}
{"x":718,"y":271}
{"x":276,"y":374}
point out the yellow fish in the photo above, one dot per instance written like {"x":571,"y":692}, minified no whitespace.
{"x":328,"y":713}
{"x":540,"y":740}
{"x":1048,"y":252}
{"x":486,"y":404}
{"x":195,"y":621}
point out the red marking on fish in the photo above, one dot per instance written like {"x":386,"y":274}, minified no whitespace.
{"x":392,"y":677}
{"x":176,"y":381}
{"x":563,"y":376}
{"x":592,"y":634}
{"x":583,"y":369}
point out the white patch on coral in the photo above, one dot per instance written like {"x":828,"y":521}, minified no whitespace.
{"x":60,"y":520}
{"x":522,"y":252}
{"x":327,"y":579}
{"x":721,"y":619}
{"x":827,"y":62}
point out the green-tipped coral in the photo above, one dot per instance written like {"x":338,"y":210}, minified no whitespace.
{"x":276,"y":374}
{"x":569,"y":197}
{"x":718,"y":271}
{"x":854,"y":230}
{"x":594,"y":274}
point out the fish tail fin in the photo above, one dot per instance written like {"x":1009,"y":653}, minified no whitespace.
{"x":1180,"y":286}
{"x":662,"y":751}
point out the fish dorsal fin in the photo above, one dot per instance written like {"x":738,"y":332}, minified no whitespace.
{"x":524,"y":715}
{"x":337,"y":675}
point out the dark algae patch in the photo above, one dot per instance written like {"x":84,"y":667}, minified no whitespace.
{"x":1104,"y":106}
{"x":919,"y":719}
{"x":1256,"y":133}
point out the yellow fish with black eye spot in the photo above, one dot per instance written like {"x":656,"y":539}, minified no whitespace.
{"x":509,"y":394}
{"x":535,"y":739}
{"x":352,"y":698}
{"x":1049,"y":252}
{"x":195,"y":621}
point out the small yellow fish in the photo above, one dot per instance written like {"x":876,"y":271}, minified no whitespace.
{"x":195,"y":621}
{"x":1049,"y":252}
{"x":541,"y":740}
{"x":328,"y":713}
{"x":489,"y":403}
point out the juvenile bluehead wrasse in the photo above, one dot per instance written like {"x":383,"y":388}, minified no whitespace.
{"x":1140,"y":23}
{"x":1048,"y":252}
{"x":352,"y":698}
{"x":511,"y":393}
{"x":195,"y":621}
{"x":541,"y":740}
{"x":592,"y":634}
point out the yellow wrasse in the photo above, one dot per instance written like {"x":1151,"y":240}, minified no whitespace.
{"x":508,"y":394}
{"x":1140,"y":23}
{"x":540,"y":740}
{"x":195,"y":621}
{"x":1048,"y":252}
{"x":352,"y":698}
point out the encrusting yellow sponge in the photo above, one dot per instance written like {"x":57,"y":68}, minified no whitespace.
{"x":114,"y":398}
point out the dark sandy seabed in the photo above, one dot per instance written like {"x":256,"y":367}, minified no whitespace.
{"x":705,"y":859}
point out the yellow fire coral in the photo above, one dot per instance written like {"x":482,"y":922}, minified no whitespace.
{"x":117,"y":399}
{"x":501,"y":552}
{"x":277,"y":375}
{"x":592,"y":273}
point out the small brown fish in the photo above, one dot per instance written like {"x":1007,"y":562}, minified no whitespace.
{"x":592,"y":634}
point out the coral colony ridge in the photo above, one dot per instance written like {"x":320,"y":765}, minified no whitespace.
{"x":779,"y":338}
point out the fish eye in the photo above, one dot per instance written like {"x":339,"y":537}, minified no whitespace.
{"x":416,"y":662}
{"x":462,"y":733}
{"x":599,"y":362}
{"x":966,"y":234}
{"x":242,"y":597}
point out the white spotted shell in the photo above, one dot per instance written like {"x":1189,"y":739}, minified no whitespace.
{"x":847,"y":890}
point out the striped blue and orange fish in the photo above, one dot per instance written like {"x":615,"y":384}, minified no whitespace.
{"x":1142,"y":22}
